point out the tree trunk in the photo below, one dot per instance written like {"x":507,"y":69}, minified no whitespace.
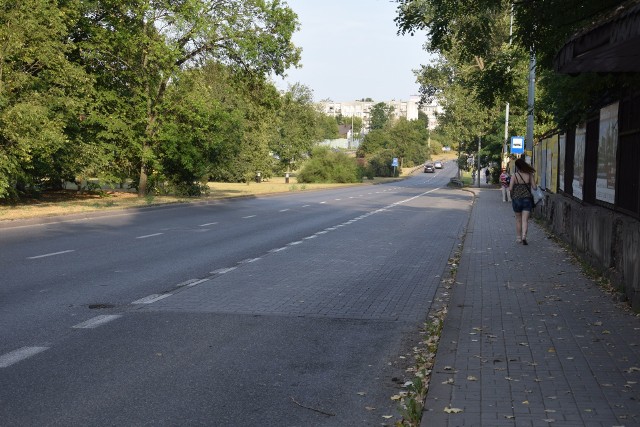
{"x":142,"y":184}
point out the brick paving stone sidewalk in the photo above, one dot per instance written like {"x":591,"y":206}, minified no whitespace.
{"x":529,"y":340}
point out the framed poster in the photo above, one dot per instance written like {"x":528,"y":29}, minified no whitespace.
{"x":578,"y":160}
{"x":607,"y":146}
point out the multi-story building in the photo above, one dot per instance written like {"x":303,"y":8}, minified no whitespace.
{"x":362,"y":109}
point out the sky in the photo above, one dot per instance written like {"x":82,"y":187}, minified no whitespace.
{"x":351,"y":50}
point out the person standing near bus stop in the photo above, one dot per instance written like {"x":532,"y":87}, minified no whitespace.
{"x":504,"y":185}
{"x":521,"y":198}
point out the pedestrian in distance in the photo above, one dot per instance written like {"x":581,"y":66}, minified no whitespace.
{"x":487,"y":175}
{"x":505,"y":178}
{"x":521,"y":198}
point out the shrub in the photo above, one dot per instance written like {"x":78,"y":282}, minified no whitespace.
{"x":326,"y":165}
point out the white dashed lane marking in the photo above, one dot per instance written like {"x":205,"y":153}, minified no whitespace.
{"x":151,"y":298}
{"x":51,"y":254}
{"x":208,"y":224}
{"x":18,"y":355}
{"x":149,"y":235}
{"x":97,"y":321}
{"x":247,"y":217}
{"x":223,"y":270}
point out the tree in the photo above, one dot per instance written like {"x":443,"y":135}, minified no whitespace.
{"x":409,"y":141}
{"x":297,"y":125}
{"x":373,"y":142}
{"x":42,"y":93}
{"x":381,"y":115}
{"x":137,"y":48}
{"x":475,"y":34}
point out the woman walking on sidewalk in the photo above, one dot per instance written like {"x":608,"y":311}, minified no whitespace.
{"x":521,"y":198}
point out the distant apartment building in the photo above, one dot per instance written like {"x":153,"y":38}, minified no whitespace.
{"x":407,"y":109}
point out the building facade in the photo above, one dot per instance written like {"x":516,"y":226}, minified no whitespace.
{"x":362,"y":109}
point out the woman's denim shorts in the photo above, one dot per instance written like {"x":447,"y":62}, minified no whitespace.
{"x":520,"y":205}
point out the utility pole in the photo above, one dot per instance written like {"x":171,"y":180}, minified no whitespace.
{"x":505,"y":149}
{"x":528,"y":144}
{"x":479,"y":148}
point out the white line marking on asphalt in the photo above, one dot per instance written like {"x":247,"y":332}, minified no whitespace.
{"x":283,"y":210}
{"x":322,"y":232}
{"x":186,"y":282}
{"x":247,"y":217}
{"x":273,"y":251}
{"x":197,"y":282}
{"x":223,"y":270}
{"x":248,"y":260}
{"x":305,"y":206}
{"x":310,"y":237}
{"x":149,"y":235}
{"x":151,"y":298}
{"x":51,"y":254}
{"x":97,"y":321}
{"x":295,"y":243}
{"x":322,"y":203}
{"x":16,"y":356}
{"x":337,"y":200}
{"x":208,"y":224}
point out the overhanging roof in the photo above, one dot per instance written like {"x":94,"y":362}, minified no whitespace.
{"x":613,"y":46}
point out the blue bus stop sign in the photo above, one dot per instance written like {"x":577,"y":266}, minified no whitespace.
{"x":517,"y":145}
{"x":394,"y":163}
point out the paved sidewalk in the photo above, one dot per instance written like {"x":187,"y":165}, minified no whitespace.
{"x":529,"y":340}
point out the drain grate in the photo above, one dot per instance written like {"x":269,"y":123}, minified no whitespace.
{"x":100,"y":306}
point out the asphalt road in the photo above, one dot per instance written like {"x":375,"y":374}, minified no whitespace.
{"x":290,"y":310}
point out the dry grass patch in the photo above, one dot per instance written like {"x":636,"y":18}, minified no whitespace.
{"x":68,"y":202}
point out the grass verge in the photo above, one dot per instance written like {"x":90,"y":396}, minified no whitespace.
{"x":66,"y":202}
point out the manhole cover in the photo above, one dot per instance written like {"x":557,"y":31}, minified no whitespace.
{"x":99,"y":306}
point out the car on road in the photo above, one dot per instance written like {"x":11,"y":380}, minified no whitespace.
{"x":438,"y":165}
{"x":429,"y":168}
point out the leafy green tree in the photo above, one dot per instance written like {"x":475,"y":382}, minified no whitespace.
{"x":373,"y":142}
{"x":327,"y":127}
{"x":41,"y":94}
{"x":381,"y":115}
{"x":297,"y":125}
{"x":409,"y":140}
{"x":473,"y":38}
{"x":138,"y":48}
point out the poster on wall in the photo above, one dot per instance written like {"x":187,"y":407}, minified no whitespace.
{"x":541,"y":170}
{"x":536,"y":162}
{"x":578,"y":160}
{"x":552,"y":164}
{"x":562,"y":145}
{"x":607,"y":146}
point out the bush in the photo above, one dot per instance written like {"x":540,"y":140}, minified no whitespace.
{"x":326,"y":165}
{"x":380,"y":164}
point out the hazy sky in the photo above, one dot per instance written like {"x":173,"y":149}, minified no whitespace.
{"x":350,"y":51}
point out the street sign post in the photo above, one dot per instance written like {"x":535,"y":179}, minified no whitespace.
{"x":517,"y":145}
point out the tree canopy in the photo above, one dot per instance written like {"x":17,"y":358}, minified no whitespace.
{"x":148,"y":92}
{"x":481,"y":66}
